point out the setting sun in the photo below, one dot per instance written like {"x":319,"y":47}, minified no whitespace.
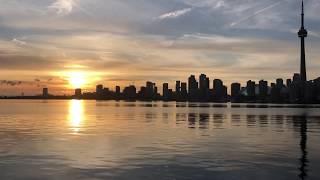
{"x":76,"y":79}
{"x":79,"y":79}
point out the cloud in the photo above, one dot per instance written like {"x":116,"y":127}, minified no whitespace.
{"x":26,"y":62}
{"x":10,"y":83}
{"x":255,"y":13}
{"x":175,"y":14}
{"x":220,"y":4}
{"x":19,"y":42}
{"x":63,"y":7}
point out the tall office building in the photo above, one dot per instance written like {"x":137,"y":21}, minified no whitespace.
{"x":99,"y":90}
{"x":289,"y":81}
{"x":184,"y":91}
{"x":45,"y":92}
{"x":251,"y":88}
{"x":129,"y":92}
{"x":263,"y":89}
{"x":235,"y":89}
{"x":296,"y":77}
{"x":218,"y":88}
{"x":149,"y":92}
{"x":204,"y":82}
{"x":77,"y":93}
{"x":193,"y":84}
{"x":118,"y":90}
{"x":165,"y":91}
{"x":303,"y":33}
{"x":178,"y":87}
{"x":203,"y":87}
{"x":193,"y":88}
{"x":184,"y":87}
{"x":279,"y":83}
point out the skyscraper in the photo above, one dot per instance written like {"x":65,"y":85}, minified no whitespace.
{"x":165,"y":90}
{"x":178,"y":87}
{"x":251,"y":85}
{"x":279,"y":83}
{"x":303,"y":34}
{"x":77,"y":93}
{"x":118,"y":90}
{"x":184,"y":91}
{"x":263,"y":89}
{"x":235,"y":89}
{"x":150,"y":87}
{"x":193,"y":84}
{"x":99,"y":90}
{"x":192,"y":88}
{"x":203,"y":87}
{"x":218,"y":88}
{"x":204,"y":82}
{"x":45,"y":92}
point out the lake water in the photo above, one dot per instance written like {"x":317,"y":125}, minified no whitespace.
{"x":157,"y":140}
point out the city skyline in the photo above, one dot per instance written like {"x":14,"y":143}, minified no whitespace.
{"x":236,"y":52}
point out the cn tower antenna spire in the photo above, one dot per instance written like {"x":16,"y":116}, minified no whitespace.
{"x":302,"y":15}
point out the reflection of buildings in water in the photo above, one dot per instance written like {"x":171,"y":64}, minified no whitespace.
{"x":150,"y":116}
{"x":192,"y":120}
{"x":251,"y":120}
{"x":278,"y":120}
{"x":181,"y":118}
{"x":181,"y":104}
{"x":204,"y":120}
{"x":303,"y":146}
{"x":299,"y":122}
{"x":165,"y":116}
{"x":218,"y":120}
{"x":263,"y":120}
{"x":236,"y":119}
{"x":76,"y":114}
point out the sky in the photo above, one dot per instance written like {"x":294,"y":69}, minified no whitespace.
{"x":62,"y":44}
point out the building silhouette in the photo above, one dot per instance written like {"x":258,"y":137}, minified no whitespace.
{"x":45,"y":92}
{"x":235,"y":92}
{"x":77,"y":93}
{"x":263,"y":90}
{"x":165,"y":91}
{"x":178,"y":86}
{"x":251,"y":89}
{"x":193,"y":88}
{"x":219,"y":90}
{"x":204,"y":82}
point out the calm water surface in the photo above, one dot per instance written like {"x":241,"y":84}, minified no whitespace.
{"x":145,"y":140}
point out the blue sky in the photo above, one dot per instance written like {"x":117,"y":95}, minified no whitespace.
{"x":131,"y":41}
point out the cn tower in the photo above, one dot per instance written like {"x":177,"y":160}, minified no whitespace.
{"x":303,"y":34}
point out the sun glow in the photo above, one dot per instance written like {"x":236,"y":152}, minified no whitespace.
{"x":73,"y":79}
{"x":77,"y":79}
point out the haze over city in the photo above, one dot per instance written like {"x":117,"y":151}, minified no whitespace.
{"x":67,"y":44}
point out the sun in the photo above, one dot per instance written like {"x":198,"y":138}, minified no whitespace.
{"x":74,"y":79}
{"x":77,"y":79}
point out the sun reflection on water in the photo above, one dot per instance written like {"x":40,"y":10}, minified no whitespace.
{"x":76,"y":115}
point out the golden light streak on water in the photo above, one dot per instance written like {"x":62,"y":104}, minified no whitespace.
{"x":76,"y":115}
